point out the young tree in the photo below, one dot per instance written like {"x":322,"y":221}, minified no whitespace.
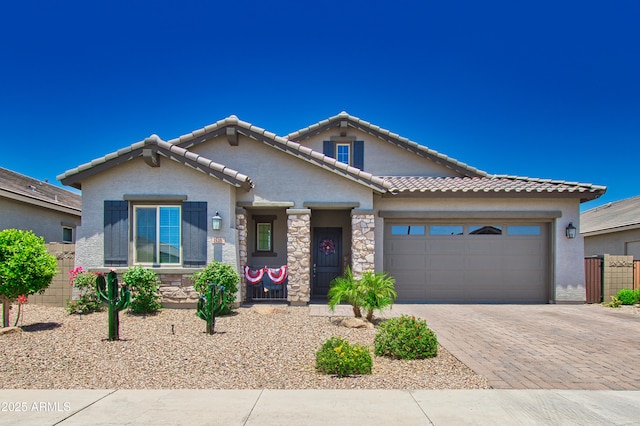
{"x":25,"y":267}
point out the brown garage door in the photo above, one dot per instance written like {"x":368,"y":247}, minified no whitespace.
{"x":490,"y":262}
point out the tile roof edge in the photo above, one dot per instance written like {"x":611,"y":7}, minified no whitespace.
{"x":403,"y":140}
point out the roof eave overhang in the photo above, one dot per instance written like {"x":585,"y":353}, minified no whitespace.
{"x":113,"y":160}
{"x":485,"y":194}
{"x":622,"y":228}
{"x":52,"y":205}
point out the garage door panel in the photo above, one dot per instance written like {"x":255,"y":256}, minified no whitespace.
{"x":470,"y":268}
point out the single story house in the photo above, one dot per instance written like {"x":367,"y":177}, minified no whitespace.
{"x":49,"y":211}
{"x":613,"y":228}
{"x":341,"y":192}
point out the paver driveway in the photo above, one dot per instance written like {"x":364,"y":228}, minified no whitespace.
{"x":539,"y":346}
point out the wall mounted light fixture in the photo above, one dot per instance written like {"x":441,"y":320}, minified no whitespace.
{"x":216,"y":222}
{"x":570,"y":231}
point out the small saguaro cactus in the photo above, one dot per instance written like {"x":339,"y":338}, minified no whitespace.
{"x":117,"y":299}
{"x":211,"y":304}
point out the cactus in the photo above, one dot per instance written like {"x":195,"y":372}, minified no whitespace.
{"x":211,"y":304}
{"x":116,"y":298}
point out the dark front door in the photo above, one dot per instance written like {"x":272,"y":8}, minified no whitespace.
{"x":327,"y":258}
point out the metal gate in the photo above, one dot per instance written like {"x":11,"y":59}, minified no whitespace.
{"x":593,"y":279}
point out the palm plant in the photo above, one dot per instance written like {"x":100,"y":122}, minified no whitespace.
{"x":377,"y":290}
{"x":346,"y":289}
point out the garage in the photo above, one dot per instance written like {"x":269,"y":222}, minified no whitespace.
{"x":468,"y":262}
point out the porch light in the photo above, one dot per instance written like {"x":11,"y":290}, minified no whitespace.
{"x":216,"y":222}
{"x":571,"y":231}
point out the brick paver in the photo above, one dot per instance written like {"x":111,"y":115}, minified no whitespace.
{"x":539,"y":346}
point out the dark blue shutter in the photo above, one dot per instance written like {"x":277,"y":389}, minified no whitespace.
{"x":194,"y":234}
{"x":116,"y":233}
{"x":358,"y":154}
{"x":329,"y":149}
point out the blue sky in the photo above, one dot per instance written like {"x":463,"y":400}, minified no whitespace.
{"x":547,"y":89}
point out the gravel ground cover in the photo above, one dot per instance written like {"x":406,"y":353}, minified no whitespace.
{"x":257,"y":347}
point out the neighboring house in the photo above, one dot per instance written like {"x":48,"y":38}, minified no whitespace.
{"x":341,"y":192}
{"x":30,"y":204}
{"x":613,"y":228}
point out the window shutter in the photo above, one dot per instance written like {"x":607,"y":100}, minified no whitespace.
{"x":194,"y":234}
{"x":329,"y":149}
{"x":116,"y":233}
{"x":358,"y":154}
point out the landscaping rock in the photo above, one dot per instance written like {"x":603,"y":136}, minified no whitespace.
{"x":8,"y":330}
{"x":356,"y":323}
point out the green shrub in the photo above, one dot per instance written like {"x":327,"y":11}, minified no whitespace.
{"x":345,"y":289}
{"x":614,"y":303}
{"x":405,"y":337}
{"x":88,"y":300}
{"x":25,"y":267}
{"x":337,"y":356}
{"x":222,"y":274}
{"x":145,"y":290}
{"x":637,"y":295}
{"x":626,"y":296}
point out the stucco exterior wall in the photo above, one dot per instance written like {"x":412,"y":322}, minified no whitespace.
{"x":377,"y":155}
{"x":567,"y":256}
{"x":279,"y":177}
{"x":615,"y":243}
{"x":171,"y":178}
{"x":43,"y":222}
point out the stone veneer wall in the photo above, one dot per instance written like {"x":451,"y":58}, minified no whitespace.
{"x":241,"y":228}
{"x":177,"y":291}
{"x":299,"y":256}
{"x":363,"y":243}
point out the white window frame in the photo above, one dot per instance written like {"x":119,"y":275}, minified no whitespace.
{"x":346,"y":145}
{"x":157,"y":236}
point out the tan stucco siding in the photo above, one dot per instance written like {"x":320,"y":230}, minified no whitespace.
{"x":377,"y":155}
{"x":280,"y":177}
{"x":135,"y":177}
{"x":43,"y":222}
{"x":621,"y":243}
{"x":566,"y":256}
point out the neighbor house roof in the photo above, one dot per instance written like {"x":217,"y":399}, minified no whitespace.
{"x":344,"y":119}
{"x":33,"y":191}
{"x":611,"y":217}
{"x":149,"y":149}
{"x":232,"y":126}
{"x":493,"y":184}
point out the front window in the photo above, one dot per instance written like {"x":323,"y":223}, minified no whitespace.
{"x":67,"y":234}
{"x":264,"y":240}
{"x":342,"y":153}
{"x":157,"y":234}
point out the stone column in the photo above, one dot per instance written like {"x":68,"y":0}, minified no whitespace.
{"x":299,"y":256}
{"x":241,"y":229}
{"x":363,"y":242}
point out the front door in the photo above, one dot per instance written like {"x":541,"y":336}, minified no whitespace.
{"x":327,"y":258}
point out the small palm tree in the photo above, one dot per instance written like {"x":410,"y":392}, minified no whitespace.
{"x":377,"y":291}
{"x":345,"y":289}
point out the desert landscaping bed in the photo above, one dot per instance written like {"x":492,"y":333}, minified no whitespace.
{"x":257,"y":347}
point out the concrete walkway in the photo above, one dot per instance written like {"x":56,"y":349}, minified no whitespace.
{"x":318,"y":407}
{"x":540,"y":346}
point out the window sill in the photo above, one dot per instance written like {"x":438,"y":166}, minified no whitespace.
{"x":264,"y":254}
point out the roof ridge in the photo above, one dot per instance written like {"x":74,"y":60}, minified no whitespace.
{"x":377,"y":129}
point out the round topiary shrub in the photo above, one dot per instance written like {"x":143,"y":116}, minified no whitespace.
{"x":337,"y":356}
{"x":145,"y":290}
{"x":406,"y":337}
{"x":222,"y":274}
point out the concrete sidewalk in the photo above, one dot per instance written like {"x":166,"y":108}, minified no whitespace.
{"x":318,"y":407}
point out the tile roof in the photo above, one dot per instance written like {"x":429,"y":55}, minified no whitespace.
{"x":387,"y":136}
{"x":290,"y":147}
{"x":74,"y":177}
{"x":614,"y":216}
{"x":494,"y":184}
{"x":37,"y":190}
